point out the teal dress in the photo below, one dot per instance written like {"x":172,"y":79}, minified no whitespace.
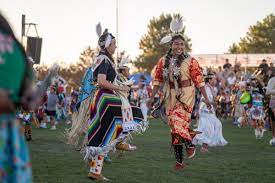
{"x":15,"y":163}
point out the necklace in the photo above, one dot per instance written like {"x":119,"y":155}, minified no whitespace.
{"x":175,"y":66}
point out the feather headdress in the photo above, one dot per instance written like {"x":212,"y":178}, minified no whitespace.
{"x":105,"y":38}
{"x":124,"y":62}
{"x":176,"y":26}
{"x":98,"y":29}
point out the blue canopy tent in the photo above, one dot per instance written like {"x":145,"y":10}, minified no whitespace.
{"x":136,"y":78}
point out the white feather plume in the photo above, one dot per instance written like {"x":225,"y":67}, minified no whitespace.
{"x":108,"y":41}
{"x":204,"y":71}
{"x":166,"y":39}
{"x":55,"y":68}
{"x":98,"y":29}
{"x":124,"y":61}
{"x":176,"y":25}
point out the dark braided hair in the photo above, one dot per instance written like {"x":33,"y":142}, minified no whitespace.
{"x":168,"y":57}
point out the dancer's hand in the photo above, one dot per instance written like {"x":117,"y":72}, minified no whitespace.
{"x":124,"y":88}
{"x":208,"y":105}
{"x":150,"y":102}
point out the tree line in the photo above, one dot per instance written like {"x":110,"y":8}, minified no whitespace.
{"x":260,"y":38}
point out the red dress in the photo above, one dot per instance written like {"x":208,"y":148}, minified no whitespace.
{"x":179,"y":101}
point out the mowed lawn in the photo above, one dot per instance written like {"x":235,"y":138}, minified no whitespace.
{"x":244,"y":159}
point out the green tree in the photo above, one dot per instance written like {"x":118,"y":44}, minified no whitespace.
{"x":72,"y":73}
{"x":259,"y":39}
{"x":149,"y":43}
{"x":75,"y":72}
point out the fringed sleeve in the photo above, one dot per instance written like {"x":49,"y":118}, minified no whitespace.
{"x":196,"y":73}
{"x":158,"y":76}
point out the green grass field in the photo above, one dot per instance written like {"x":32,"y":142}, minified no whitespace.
{"x":244,"y":159}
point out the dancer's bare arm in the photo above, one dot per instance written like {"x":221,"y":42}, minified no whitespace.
{"x":154,"y":92}
{"x":203,"y":92}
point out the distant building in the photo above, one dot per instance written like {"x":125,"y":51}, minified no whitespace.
{"x":246,"y":60}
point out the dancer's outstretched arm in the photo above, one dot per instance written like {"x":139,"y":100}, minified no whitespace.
{"x":154,"y":92}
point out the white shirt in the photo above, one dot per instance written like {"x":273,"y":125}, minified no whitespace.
{"x":210,"y":94}
{"x":270,"y":89}
{"x":143,"y":95}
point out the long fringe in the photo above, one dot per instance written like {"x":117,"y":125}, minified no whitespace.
{"x":91,"y":151}
{"x":79,"y":124}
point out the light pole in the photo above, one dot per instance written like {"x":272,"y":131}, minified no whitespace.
{"x":23,"y":31}
{"x":32,"y":44}
{"x":117,"y":31}
{"x":23,"y":27}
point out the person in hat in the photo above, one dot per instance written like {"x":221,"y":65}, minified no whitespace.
{"x":209,"y":124}
{"x":179,"y":73}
